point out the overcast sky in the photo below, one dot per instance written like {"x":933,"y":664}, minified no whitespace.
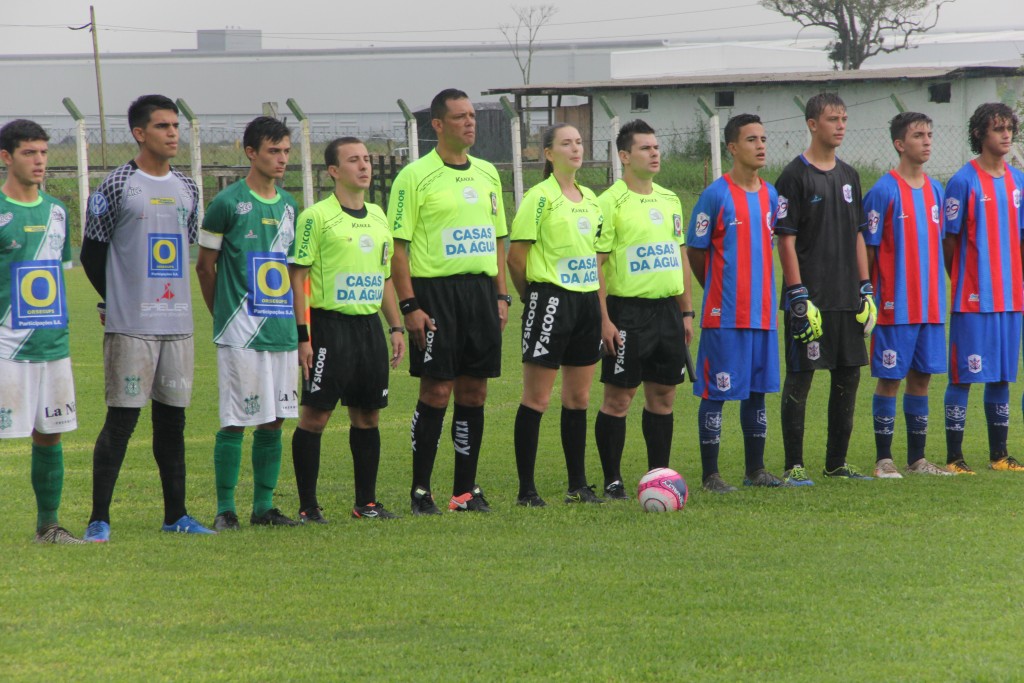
{"x":148,"y":26}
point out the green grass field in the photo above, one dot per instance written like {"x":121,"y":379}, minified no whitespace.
{"x":912,"y":580}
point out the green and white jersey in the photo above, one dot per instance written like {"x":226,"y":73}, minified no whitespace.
{"x":641,"y":234}
{"x":253,"y":299}
{"x":348,"y":256}
{"x":451,"y":216}
{"x":563,"y":234}
{"x":34,"y":250}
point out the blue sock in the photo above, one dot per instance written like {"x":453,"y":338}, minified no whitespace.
{"x":883,"y":410}
{"x":997,"y":414}
{"x":956,"y":421}
{"x":709,"y":428}
{"x":915,"y":412}
{"x":754,"y":422}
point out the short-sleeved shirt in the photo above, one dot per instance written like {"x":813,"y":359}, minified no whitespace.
{"x":736,"y":227}
{"x":149,"y":223}
{"x":34,"y":251}
{"x":987,"y":216}
{"x":348,"y":254}
{"x":451,"y":216}
{"x":906,"y":225}
{"x":641,"y":234}
{"x":823,"y":209}
{"x":563,"y":235}
{"x":253,"y":298}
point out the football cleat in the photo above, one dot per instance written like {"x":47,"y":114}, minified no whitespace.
{"x":473,"y":501}
{"x":763,"y":477}
{"x":271,"y":517}
{"x":922,"y":466}
{"x":1006,"y":464}
{"x":584,"y":494}
{"x":187,"y":524}
{"x":797,"y":476}
{"x":846,"y":471}
{"x":57,"y":535}
{"x":226,"y":521}
{"x":715,"y":484}
{"x":615,"y":491}
{"x":97,"y":532}
{"x":959,"y":467}
{"x":423,"y":503}
{"x":886,"y":469}
{"x":531,"y":500}
{"x":313,"y":515}
{"x":372,"y":510}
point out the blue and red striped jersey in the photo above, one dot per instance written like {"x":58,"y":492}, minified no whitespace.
{"x":736,"y":228}
{"x":985,"y":214}
{"x":906,"y":226}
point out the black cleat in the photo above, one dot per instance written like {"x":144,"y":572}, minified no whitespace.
{"x":272,"y":517}
{"x":715,"y":484}
{"x":584,"y":494}
{"x":423,"y":503}
{"x":226,"y":521}
{"x":472,"y":501}
{"x":531,"y":500}
{"x":372,"y":510}
{"x":615,"y":491}
{"x":313,"y":515}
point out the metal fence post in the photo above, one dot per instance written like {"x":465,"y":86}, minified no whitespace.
{"x":517,"y":150}
{"x":713,"y":138}
{"x":412,"y":134}
{"x":802,"y":106}
{"x":196,"y":147}
{"x":613,"y":126}
{"x":83,"y":161}
{"x":307,"y":153}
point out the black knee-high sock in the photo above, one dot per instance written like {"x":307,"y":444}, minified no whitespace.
{"x":527,"y":432}
{"x":169,"y":452}
{"x":610,"y":434}
{"x":574,"y":445}
{"x":754,"y":423}
{"x":658,"y":435}
{"x":794,"y":406}
{"x":365,"y":446}
{"x":427,"y":423}
{"x":467,"y":435}
{"x":107,"y":456}
{"x":306,"y":459}
{"x":841,"y":402}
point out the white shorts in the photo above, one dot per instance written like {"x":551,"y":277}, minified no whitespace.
{"x":257,"y":387}
{"x":136,"y":370}
{"x":39,"y":395}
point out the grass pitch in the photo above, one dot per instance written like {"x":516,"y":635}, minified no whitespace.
{"x":885,"y":580}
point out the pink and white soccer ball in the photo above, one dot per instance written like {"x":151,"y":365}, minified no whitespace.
{"x":662,"y":490}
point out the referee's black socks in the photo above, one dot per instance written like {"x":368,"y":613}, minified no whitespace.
{"x":658,"y":435}
{"x":427,"y":423}
{"x":365,"y":446}
{"x":610,"y":434}
{"x":574,"y":445}
{"x":467,"y":435}
{"x":306,"y":459}
{"x":527,"y":432}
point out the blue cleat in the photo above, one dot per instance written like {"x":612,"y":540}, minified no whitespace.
{"x":846,"y":471}
{"x":797,"y":476}
{"x":97,"y":532}
{"x":187,"y":525}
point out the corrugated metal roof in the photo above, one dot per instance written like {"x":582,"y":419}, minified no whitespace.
{"x":704,"y":80}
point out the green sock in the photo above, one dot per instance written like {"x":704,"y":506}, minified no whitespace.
{"x":227,"y":460}
{"x":266,"y":466}
{"x":47,"y":482}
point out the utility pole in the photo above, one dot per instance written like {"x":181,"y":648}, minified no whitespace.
{"x":99,"y":81}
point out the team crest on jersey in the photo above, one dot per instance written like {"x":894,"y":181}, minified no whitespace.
{"x":242,"y":208}
{"x":366,"y":243}
{"x":252,"y":404}
{"x":656,"y":216}
{"x":813,"y":351}
{"x":583,"y":225}
{"x":56,"y":240}
{"x":98,"y":204}
{"x":952,"y":208}
{"x":935,"y":213}
{"x":848,"y":193}
{"x":783,"y":209}
{"x":470,"y":195}
{"x":974,"y":363}
{"x":723,"y":381}
{"x":873,"y":219}
{"x":6,"y":218}
{"x":494,"y":203}
{"x":677,"y":224}
{"x":1016,"y":198}
{"x":131,"y":385}
{"x":6,"y":418}
{"x":889,"y":358}
{"x":701,"y":224}
{"x":56,"y":215}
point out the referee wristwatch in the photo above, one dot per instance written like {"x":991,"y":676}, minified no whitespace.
{"x":507,"y":298}
{"x":399,"y":329}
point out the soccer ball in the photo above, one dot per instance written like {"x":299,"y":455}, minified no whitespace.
{"x":662,"y":490}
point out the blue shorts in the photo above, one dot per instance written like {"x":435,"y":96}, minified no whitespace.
{"x":897,"y":349}
{"x":732,"y":364}
{"x":984,"y":347}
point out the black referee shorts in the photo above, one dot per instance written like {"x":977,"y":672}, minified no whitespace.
{"x":561,"y":327}
{"x":652,"y":342}
{"x":841,"y":344}
{"x":350,"y":362}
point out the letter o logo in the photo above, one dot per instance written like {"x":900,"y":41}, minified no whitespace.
{"x":164,"y":252}
{"x":28,"y":283}
{"x":264,"y":274}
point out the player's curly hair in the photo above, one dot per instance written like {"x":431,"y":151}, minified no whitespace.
{"x":732,"y":128}
{"x":19,"y":131}
{"x":624,"y":140}
{"x":264,"y":128}
{"x":983,"y":119}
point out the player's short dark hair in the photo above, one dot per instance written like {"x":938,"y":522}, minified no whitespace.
{"x":624,"y":140}
{"x":983,"y":118}
{"x":732,"y":128}
{"x":142,"y":109}
{"x":439,"y":105}
{"x":264,"y":128}
{"x":817,"y":105}
{"x":331,"y":150}
{"x":548,"y":139}
{"x":901,"y":123}
{"x":19,"y":131}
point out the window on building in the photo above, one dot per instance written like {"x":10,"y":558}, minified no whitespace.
{"x":940,"y":92}
{"x":640,"y":101}
{"x":725,"y":99}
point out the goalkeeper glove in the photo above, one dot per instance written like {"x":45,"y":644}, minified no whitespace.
{"x":867,"y":315}
{"x":806,"y":322}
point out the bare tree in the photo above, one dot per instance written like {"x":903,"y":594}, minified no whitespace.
{"x":522,"y":38}
{"x":862,"y":26}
